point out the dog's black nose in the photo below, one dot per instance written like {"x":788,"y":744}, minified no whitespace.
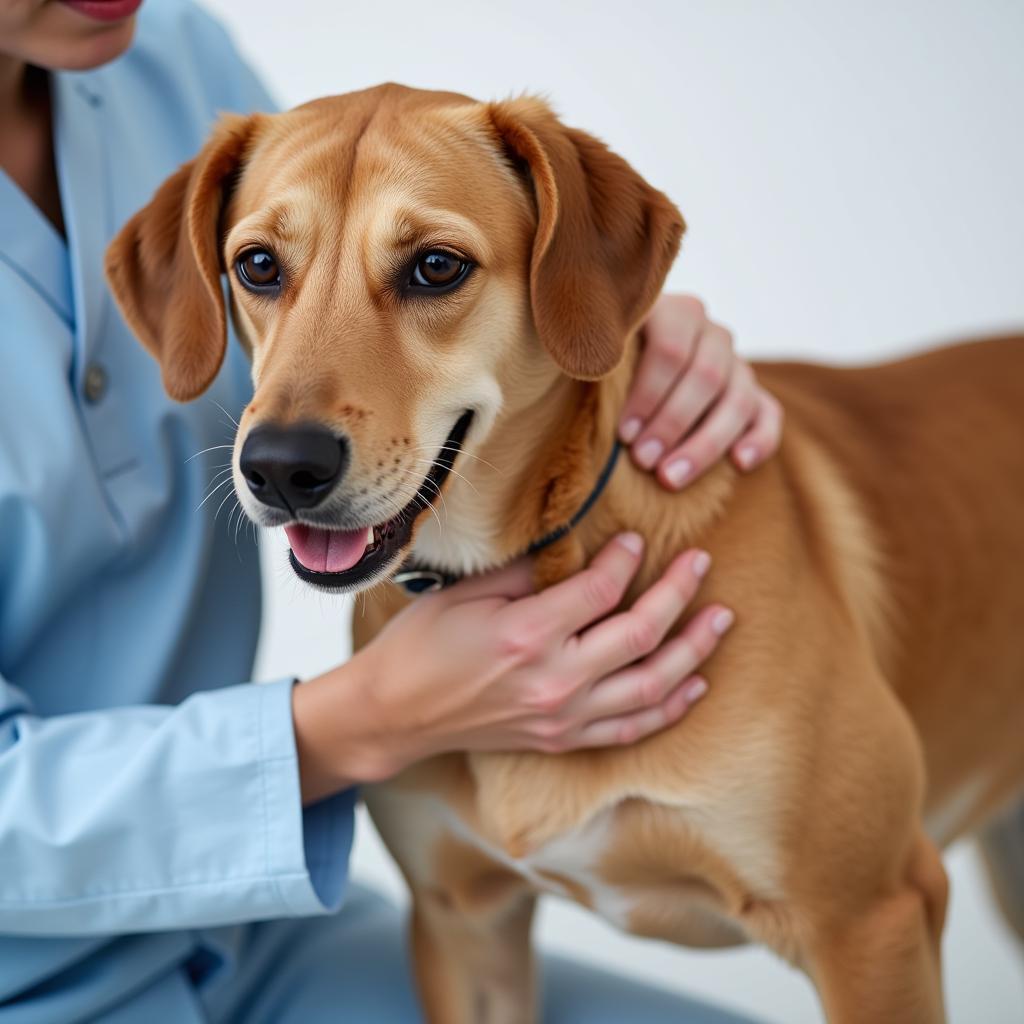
{"x":293,"y":467}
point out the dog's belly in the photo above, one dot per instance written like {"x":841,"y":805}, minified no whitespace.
{"x":426,"y":834}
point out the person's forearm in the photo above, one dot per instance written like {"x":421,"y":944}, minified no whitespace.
{"x":160,"y":817}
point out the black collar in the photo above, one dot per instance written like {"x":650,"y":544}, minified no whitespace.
{"x":417,"y":578}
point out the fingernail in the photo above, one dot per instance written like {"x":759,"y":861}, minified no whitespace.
{"x":722,"y":620}
{"x":632,"y":542}
{"x":747,"y":457}
{"x":701,"y":563}
{"x":649,"y":452}
{"x":695,"y":689}
{"x":630,"y":429}
{"x":676,"y":472}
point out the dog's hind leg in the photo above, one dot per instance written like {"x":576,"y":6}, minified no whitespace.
{"x":1002,"y":843}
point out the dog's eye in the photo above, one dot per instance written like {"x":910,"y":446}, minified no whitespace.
{"x":258,"y":270}
{"x":438,"y":270}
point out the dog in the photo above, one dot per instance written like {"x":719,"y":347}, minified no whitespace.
{"x":421,"y":279}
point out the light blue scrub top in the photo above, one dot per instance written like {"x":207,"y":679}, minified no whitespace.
{"x":140,"y":791}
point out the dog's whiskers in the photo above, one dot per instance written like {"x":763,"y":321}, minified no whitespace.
{"x":212,"y":448}
{"x":213,"y":491}
{"x":229,"y":494}
{"x":453,"y":472}
{"x":224,"y":470}
{"x":458,"y":451}
{"x":437,"y":493}
{"x":399,"y":510}
{"x":219,"y":472}
{"x":430,"y":504}
{"x":226,"y":413}
{"x":238,"y":524}
{"x":391,"y":505}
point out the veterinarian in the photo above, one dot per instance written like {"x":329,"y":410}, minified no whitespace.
{"x":156,"y":861}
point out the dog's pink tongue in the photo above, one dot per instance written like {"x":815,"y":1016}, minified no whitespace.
{"x":328,"y":550}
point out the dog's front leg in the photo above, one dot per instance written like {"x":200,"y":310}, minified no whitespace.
{"x":472,"y":953}
{"x":883,"y":965}
{"x":471,"y":914}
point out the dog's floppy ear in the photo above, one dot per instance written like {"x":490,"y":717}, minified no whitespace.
{"x":164,"y":265}
{"x":604,"y":242}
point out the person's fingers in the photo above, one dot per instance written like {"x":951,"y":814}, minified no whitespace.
{"x":694,"y":393}
{"x":649,"y":682}
{"x":626,"y":729}
{"x":565,"y":608}
{"x":630,"y":635}
{"x":513,"y":581}
{"x":715,"y":434}
{"x":763,"y":435}
{"x":670,"y":336}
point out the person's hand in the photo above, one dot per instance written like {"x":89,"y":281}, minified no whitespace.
{"x":489,"y":665}
{"x":693,"y":399}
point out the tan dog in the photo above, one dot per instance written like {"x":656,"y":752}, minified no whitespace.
{"x":423,"y":279}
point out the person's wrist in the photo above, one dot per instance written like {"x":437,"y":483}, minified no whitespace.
{"x":340,"y":737}
{"x":321,"y":772}
{"x":379,"y":744}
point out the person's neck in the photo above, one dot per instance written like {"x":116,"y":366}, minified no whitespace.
{"x":26,"y":135}
{"x":12,"y":85}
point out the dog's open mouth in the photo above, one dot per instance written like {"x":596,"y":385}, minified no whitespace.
{"x":343,"y":559}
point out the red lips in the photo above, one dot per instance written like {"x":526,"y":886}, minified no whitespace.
{"x":104,"y":10}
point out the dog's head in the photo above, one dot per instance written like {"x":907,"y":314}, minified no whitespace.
{"x":403,"y":266}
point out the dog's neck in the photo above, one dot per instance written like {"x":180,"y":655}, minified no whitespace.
{"x":536,"y":470}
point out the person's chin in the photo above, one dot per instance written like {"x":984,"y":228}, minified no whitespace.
{"x":102,"y":43}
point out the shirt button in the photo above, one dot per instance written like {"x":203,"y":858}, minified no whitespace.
{"x":95,"y":383}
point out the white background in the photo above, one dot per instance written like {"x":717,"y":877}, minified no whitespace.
{"x":853,"y":179}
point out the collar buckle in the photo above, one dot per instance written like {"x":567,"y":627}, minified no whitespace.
{"x":421,"y":581}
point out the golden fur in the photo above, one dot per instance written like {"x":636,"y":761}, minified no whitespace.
{"x":873,"y":683}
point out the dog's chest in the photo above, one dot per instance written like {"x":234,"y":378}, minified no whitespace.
{"x":569,"y":866}
{"x":430,"y":840}
{"x":419,"y":826}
